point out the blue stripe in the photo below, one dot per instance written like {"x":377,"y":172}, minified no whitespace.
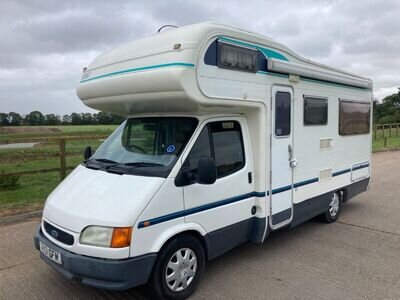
{"x":362,"y":166}
{"x":201,"y":208}
{"x":305,"y":182}
{"x":341,"y":172}
{"x":174,"y":64}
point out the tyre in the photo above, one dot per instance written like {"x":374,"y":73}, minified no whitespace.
{"x":178,"y":268}
{"x":334,"y":209}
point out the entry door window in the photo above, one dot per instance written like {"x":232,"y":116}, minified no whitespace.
{"x":282,"y":113}
{"x":222,"y":141}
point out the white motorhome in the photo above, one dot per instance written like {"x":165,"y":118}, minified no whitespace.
{"x":228,"y":135}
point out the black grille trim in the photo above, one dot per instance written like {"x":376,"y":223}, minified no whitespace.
{"x":61,"y":236}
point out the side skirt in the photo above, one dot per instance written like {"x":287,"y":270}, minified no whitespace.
{"x":224,"y":239}
{"x":315,"y":206}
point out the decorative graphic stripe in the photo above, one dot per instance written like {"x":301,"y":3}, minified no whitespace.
{"x":201,"y":208}
{"x":174,"y":64}
{"x":198,"y":209}
{"x":269,"y":53}
{"x":361,"y":166}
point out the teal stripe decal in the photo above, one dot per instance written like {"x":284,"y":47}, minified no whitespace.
{"x":174,"y":64}
{"x":269,"y":53}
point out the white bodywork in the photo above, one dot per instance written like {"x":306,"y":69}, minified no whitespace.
{"x":155,"y":77}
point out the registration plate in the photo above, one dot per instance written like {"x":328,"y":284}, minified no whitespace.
{"x":50,"y":253}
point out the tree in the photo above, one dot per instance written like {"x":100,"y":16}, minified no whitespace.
{"x":76,"y":119}
{"x":66,"y":119}
{"x":14,"y":119}
{"x":35,"y":118}
{"x":52,"y":119}
{"x":4,"y":119}
{"x":388,"y":111}
{"x":87,"y":118}
{"x":104,"y":118}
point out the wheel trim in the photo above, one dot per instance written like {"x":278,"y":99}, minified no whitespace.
{"x":334,"y":205}
{"x":181,"y":269}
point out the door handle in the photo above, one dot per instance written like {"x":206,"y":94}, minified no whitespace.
{"x":290,"y":151}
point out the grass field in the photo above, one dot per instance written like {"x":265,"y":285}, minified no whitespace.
{"x":33,"y":189}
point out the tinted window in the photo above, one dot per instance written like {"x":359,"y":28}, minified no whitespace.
{"x":228,"y":147}
{"x":221,"y":141}
{"x":315,"y":111}
{"x":234,"y":57}
{"x":282,"y":113}
{"x":200,"y":149}
{"x":354,"y":117}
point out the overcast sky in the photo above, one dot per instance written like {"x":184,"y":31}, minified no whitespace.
{"x":45,"y":44}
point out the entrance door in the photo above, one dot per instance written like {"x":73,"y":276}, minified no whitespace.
{"x":282,"y":161}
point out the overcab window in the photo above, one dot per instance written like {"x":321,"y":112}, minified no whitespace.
{"x":238,"y":58}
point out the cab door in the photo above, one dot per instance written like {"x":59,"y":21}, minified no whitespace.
{"x":282,"y":160}
{"x":225,"y":208}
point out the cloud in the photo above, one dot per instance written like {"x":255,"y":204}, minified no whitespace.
{"x":45,"y":43}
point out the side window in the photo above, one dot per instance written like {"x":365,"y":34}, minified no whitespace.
{"x":221,"y":140}
{"x":354,"y":117}
{"x":201,"y":148}
{"x":315,"y":111}
{"x":228,"y":147}
{"x":282,"y":113}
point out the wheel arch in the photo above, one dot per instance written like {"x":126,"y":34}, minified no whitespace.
{"x":193,"y":229}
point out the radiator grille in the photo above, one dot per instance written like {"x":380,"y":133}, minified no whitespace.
{"x":58,"y":234}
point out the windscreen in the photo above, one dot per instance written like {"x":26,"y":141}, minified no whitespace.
{"x":148,"y":142}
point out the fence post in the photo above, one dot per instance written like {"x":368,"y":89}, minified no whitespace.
{"x":375,"y":132}
{"x":62,"y":159}
{"x":383,"y":130}
{"x":397,"y":129}
{"x":390,"y":130}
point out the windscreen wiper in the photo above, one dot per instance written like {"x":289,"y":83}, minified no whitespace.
{"x":143,"y":164}
{"x":105,"y":160}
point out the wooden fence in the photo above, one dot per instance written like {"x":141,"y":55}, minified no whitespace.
{"x":61,"y":154}
{"x":386,"y":130}
{"x":379,"y":131}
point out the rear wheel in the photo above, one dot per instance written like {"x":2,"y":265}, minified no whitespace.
{"x":178,"y":268}
{"x":335,"y":207}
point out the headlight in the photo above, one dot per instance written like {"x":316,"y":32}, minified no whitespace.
{"x":106,"y":236}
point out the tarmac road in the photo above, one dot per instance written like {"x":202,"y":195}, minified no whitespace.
{"x":356,"y":257}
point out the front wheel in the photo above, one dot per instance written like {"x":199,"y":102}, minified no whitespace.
{"x":178,"y":268}
{"x":334,"y":209}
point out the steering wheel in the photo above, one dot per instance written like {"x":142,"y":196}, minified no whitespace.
{"x":142,"y":151}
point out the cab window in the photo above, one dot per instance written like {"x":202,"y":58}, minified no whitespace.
{"x":222,"y":141}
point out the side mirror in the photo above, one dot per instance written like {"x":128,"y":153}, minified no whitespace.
{"x":87,"y":153}
{"x":207,"y":171}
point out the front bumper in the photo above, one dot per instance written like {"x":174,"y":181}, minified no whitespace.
{"x":112,"y":274}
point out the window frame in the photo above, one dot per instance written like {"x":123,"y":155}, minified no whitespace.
{"x":207,"y":124}
{"x":305,"y":97}
{"x":241,"y":143}
{"x":221,"y":44}
{"x":341,"y":100}
{"x":290,"y":117}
